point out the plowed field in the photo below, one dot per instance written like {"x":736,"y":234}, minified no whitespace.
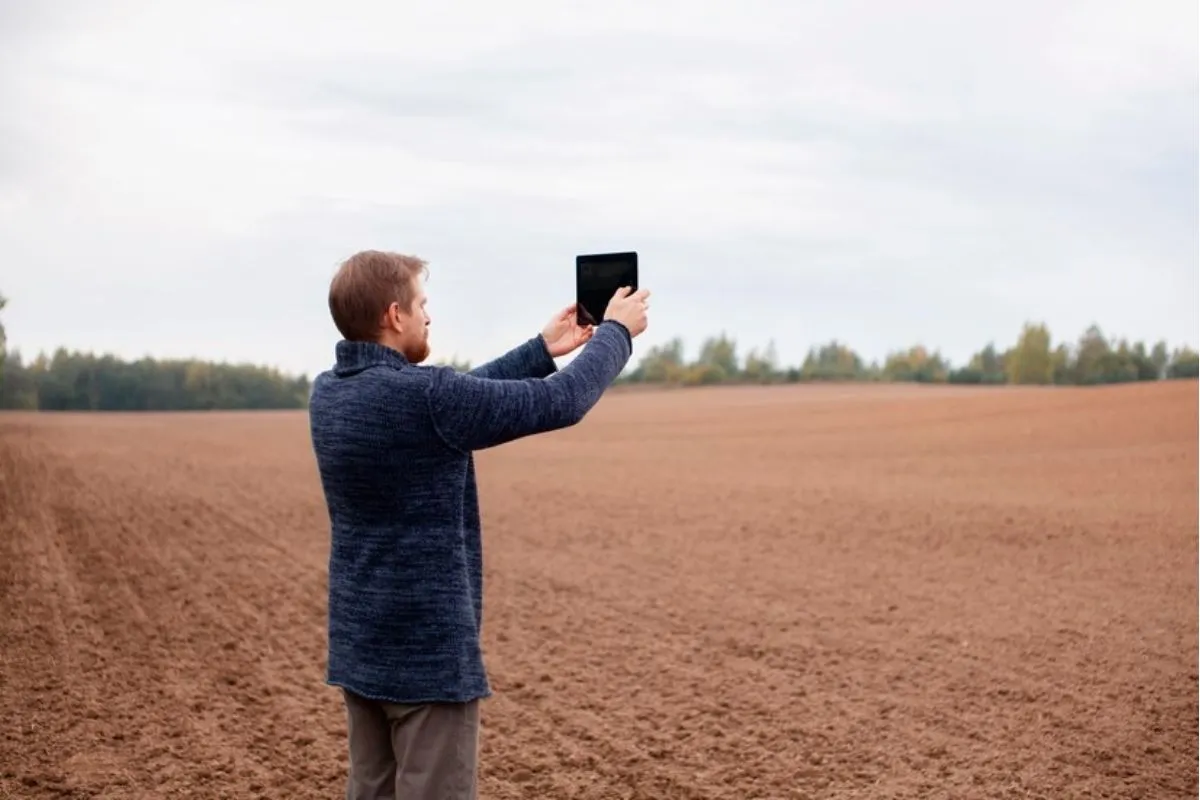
{"x":826,"y":592}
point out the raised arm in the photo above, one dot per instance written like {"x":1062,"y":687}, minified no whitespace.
{"x":535,"y":358}
{"x":529,"y":360}
{"x":473,"y":413}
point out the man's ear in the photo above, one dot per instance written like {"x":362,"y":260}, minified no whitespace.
{"x":391,"y":317}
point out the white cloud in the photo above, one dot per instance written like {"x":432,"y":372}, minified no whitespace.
{"x":181,"y":179}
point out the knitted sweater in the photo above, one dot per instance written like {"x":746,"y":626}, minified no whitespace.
{"x":393,"y":444}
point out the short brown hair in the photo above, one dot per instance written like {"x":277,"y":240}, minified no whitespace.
{"x":366,"y":284}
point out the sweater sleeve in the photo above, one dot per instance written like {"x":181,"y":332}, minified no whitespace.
{"x":528,"y":360}
{"x":473,"y":413}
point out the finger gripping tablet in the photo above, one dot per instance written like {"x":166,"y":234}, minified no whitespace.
{"x":597,"y":278}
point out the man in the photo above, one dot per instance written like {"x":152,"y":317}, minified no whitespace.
{"x":393,"y":441}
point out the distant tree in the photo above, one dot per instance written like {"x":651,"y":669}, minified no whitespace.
{"x":1142,"y":362}
{"x":718,"y":355}
{"x":1092,"y":357}
{"x":964,"y":375}
{"x":916,"y":365}
{"x":762,"y":368}
{"x":1161,"y":358}
{"x":1063,"y":364}
{"x":18,"y":389}
{"x":701,"y":374}
{"x":662,"y":364}
{"x":1185,"y":363}
{"x":990,"y":364}
{"x":832,"y":361}
{"x":1031,"y":360}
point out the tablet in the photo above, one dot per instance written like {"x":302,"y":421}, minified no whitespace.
{"x":597,"y":278}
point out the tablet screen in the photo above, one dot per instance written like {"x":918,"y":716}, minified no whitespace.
{"x":597,"y":278}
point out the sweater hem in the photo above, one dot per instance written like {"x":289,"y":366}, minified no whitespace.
{"x":411,"y":700}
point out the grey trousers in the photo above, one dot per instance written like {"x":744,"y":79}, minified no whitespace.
{"x":412,"y":752}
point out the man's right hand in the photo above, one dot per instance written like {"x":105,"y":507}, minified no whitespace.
{"x":629,"y":309}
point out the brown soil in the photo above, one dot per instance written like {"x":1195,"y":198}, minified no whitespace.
{"x":827,"y":592}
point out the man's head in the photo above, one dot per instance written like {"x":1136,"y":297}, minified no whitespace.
{"x":379,"y":297}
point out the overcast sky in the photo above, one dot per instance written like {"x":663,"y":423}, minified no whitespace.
{"x":181,"y":179}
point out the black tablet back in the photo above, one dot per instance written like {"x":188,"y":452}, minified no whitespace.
{"x":597,"y":278}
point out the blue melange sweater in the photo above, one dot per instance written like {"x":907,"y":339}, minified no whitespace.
{"x":393,"y":443}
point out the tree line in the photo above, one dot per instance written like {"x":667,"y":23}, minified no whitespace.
{"x":1091,"y":359}
{"x":72,"y":380}
{"x":78,"y":381}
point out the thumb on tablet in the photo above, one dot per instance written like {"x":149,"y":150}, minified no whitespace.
{"x":627,"y":310}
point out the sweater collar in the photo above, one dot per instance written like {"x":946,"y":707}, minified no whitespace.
{"x":354,"y":357}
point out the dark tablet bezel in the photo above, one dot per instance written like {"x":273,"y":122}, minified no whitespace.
{"x":629,"y":256}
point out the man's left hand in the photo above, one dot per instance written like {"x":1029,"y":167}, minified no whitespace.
{"x":564,"y":334}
